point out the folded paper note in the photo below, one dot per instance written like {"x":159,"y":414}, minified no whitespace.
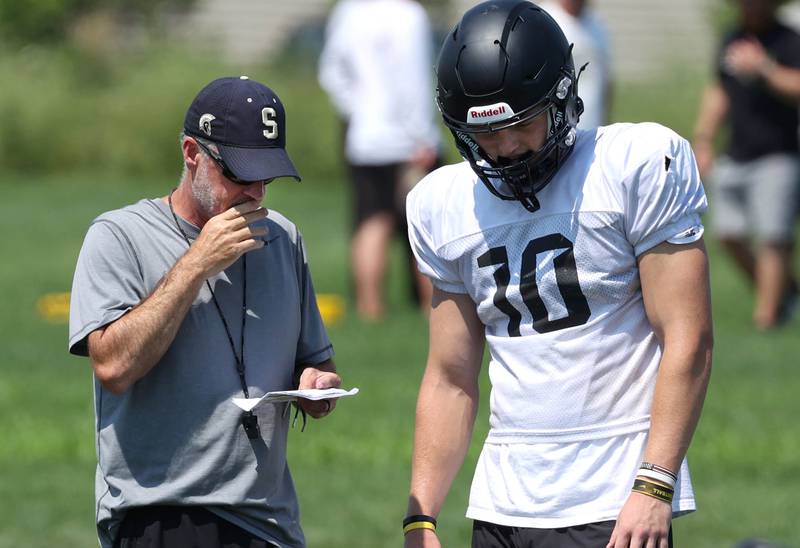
{"x":248,"y":404}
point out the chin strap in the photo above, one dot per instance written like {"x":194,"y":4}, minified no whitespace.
{"x":531,"y":204}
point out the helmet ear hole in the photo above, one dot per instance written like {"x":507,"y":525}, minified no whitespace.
{"x":563,"y":88}
{"x":569,"y":139}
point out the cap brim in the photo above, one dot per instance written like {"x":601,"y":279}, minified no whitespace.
{"x":258,"y":164}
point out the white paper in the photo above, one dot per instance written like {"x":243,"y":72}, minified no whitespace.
{"x":248,"y":404}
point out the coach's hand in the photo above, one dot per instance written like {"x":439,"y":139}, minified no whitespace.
{"x":311,"y":377}
{"x":228,"y":236}
{"x":643,"y":521}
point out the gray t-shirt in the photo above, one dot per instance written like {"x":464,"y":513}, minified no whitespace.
{"x":174,"y":437}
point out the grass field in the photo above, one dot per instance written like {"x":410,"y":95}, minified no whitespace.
{"x":352,"y":469}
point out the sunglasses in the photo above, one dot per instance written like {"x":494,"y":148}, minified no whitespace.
{"x":226,"y":171}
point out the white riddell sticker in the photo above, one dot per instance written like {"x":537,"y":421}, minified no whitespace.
{"x":489,"y":113}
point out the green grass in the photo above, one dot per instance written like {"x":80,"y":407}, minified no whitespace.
{"x":352,"y":469}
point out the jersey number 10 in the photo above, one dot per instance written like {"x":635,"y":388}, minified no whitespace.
{"x":566,"y":276}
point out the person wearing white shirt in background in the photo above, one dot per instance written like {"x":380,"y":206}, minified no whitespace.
{"x":377,"y":66}
{"x":591,"y":45}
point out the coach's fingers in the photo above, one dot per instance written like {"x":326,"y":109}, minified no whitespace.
{"x":327,"y":379}
{"x":238,"y":210}
{"x":330,"y":405}
{"x":317,"y":408}
{"x":250,"y":233}
{"x":247,"y":219}
{"x":311,"y":377}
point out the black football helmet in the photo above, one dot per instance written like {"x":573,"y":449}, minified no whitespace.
{"x":504,"y":63}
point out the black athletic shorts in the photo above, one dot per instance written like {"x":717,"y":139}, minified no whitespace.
{"x":591,"y":535}
{"x":182,"y":527}
{"x":376,"y":190}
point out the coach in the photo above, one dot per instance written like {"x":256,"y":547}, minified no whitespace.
{"x":182,"y":303}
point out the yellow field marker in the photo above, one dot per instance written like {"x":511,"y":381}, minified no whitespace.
{"x":331,"y":307}
{"x":54,"y":307}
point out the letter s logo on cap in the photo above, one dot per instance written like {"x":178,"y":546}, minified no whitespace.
{"x":486,"y":114}
{"x":268,"y":115}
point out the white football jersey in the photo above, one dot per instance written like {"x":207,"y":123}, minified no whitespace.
{"x":573,"y":356}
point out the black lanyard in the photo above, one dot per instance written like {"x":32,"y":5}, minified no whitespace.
{"x":249,"y":420}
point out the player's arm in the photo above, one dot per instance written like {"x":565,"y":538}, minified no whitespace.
{"x":446,"y":407}
{"x":748,"y":58}
{"x":782,"y":79}
{"x":677,"y":300}
{"x":125,"y":350}
{"x":713,"y":110}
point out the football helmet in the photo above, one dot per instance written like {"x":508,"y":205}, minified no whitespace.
{"x":503,"y":64}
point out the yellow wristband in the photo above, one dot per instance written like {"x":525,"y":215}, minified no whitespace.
{"x":418,"y":525}
{"x":653,"y":489}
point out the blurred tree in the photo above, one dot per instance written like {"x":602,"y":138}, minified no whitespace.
{"x":52,"y":21}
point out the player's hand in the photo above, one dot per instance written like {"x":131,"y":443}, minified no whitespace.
{"x":228,"y":236}
{"x":642,"y":523}
{"x":316,"y":378}
{"x":422,"y":538}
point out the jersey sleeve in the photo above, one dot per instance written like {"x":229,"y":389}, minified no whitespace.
{"x":108,"y":283}
{"x":665,"y":197}
{"x":313,"y":345}
{"x":444,"y":273}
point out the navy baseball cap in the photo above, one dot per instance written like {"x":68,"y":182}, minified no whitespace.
{"x":247,"y":122}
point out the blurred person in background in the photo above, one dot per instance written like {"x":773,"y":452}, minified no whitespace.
{"x":592,"y":45}
{"x":182,"y":303}
{"x":577,"y":255}
{"x":756,"y":183}
{"x":377,"y":68}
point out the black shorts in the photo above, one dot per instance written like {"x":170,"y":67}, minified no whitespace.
{"x":376,"y":189}
{"x":591,"y":535}
{"x":182,"y":527}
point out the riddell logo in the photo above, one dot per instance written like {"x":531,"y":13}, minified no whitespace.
{"x":489,"y":113}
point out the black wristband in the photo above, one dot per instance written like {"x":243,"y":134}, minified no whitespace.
{"x":417,"y":518}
